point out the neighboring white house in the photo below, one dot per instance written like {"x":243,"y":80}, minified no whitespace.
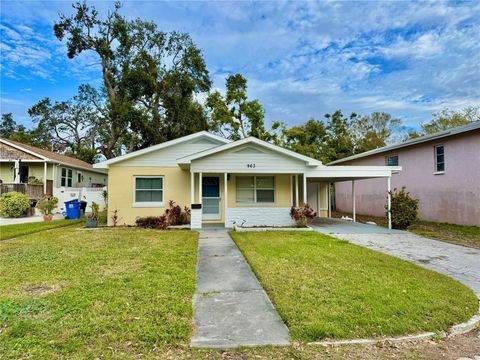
{"x":36,"y":172}
{"x":248,"y":181}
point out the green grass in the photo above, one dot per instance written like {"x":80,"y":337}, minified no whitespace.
{"x":109,"y":293}
{"x":457,"y":234}
{"x":12,"y":231}
{"x":328,"y":288}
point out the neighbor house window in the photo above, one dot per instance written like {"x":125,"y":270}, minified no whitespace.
{"x":79,"y":177}
{"x":67,"y":176}
{"x":255,"y":189}
{"x":149,"y":190}
{"x":392,"y":160}
{"x":439,"y":159}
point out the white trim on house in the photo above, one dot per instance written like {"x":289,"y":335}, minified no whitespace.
{"x":105,"y":164}
{"x":250,"y":140}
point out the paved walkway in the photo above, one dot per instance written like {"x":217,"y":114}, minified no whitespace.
{"x":231,"y":307}
{"x":459,"y":262}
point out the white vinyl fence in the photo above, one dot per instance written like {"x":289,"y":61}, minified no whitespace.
{"x":86,"y":194}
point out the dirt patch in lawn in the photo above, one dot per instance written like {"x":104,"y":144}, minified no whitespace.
{"x":42,"y":289}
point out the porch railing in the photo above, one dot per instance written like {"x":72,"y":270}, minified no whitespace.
{"x":32,"y":191}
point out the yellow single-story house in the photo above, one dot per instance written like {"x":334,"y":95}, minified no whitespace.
{"x":247,"y":182}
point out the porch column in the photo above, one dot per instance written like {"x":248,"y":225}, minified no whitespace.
{"x":192,"y":187}
{"x":225,"y":197}
{"x":291,"y":190}
{"x":16,"y":172}
{"x":45,"y":177}
{"x":353,"y":201}
{"x":304,"y":189}
{"x":329,"y":202}
{"x":389,"y":204}
{"x":296,"y":190}
{"x":200,"y":188}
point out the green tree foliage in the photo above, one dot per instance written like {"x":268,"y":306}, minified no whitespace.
{"x":446,"y":119}
{"x":307,"y":139}
{"x":10,"y":130}
{"x":72,"y":126}
{"x":150,"y":77}
{"x":233,"y":115}
{"x":373,"y":131}
{"x":404,"y":209}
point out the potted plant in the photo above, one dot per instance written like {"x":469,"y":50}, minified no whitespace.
{"x":46,"y":205}
{"x":92,"y":219}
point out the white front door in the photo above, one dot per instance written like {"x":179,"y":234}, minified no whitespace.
{"x":312,"y":196}
{"x":211,"y":198}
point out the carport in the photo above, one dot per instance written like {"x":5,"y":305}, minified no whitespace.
{"x":333,"y":174}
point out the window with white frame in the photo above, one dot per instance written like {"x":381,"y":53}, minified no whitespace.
{"x":439,"y":159}
{"x":66,"y":178}
{"x":149,"y":190}
{"x":255,"y":189}
{"x":392,"y":160}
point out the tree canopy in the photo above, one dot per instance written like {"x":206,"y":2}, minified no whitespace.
{"x":149,"y":77}
{"x":233,"y":115}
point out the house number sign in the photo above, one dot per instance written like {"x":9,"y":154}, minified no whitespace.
{"x":250,"y":166}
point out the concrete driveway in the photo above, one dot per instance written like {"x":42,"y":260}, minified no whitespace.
{"x":459,"y":262}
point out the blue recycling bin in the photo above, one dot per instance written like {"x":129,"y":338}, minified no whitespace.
{"x":72,"y":208}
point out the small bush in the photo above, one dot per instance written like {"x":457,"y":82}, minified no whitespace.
{"x":32,"y":180}
{"x":152,"y":222}
{"x":173,"y":215}
{"x":47,"y":204}
{"x":404,"y":209}
{"x":14,"y":204}
{"x":302,"y":214}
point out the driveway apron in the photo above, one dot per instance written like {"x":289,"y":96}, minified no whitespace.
{"x":231,"y":307}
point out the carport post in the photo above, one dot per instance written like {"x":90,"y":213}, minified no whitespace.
{"x":192,"y":187}
{"x":200,"y":188}
{"x":353,"y":201}
{"x":389,"y":204}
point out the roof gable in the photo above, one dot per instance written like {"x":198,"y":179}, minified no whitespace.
{"x":167,"y":151}
{"x":252,"y":141}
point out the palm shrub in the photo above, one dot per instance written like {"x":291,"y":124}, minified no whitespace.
{"x":14,"y":204}
{"x":404,"y":209}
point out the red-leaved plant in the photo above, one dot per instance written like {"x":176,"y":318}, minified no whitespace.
{"x":173,"y":216}
{"x":302,"y":214}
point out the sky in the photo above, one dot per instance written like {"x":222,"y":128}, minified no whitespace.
{"x":301,"y":59}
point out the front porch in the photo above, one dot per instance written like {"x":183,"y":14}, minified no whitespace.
{"x":265,"y":199}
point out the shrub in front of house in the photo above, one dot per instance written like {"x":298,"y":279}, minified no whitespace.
{"x":173,"y":215}
{"x":302,"y":214}
{"x":14,"y":204}
{"x":404,"y":209}
{"x":152,"y":222}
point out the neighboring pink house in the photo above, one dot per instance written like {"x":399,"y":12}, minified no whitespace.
{"x":441,"y":170}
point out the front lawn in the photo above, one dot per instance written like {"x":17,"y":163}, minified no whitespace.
{"x":327,"y":288}
{"x":457,"y":234}
{"x":109,"y":293}
{"x":15,"y":230}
